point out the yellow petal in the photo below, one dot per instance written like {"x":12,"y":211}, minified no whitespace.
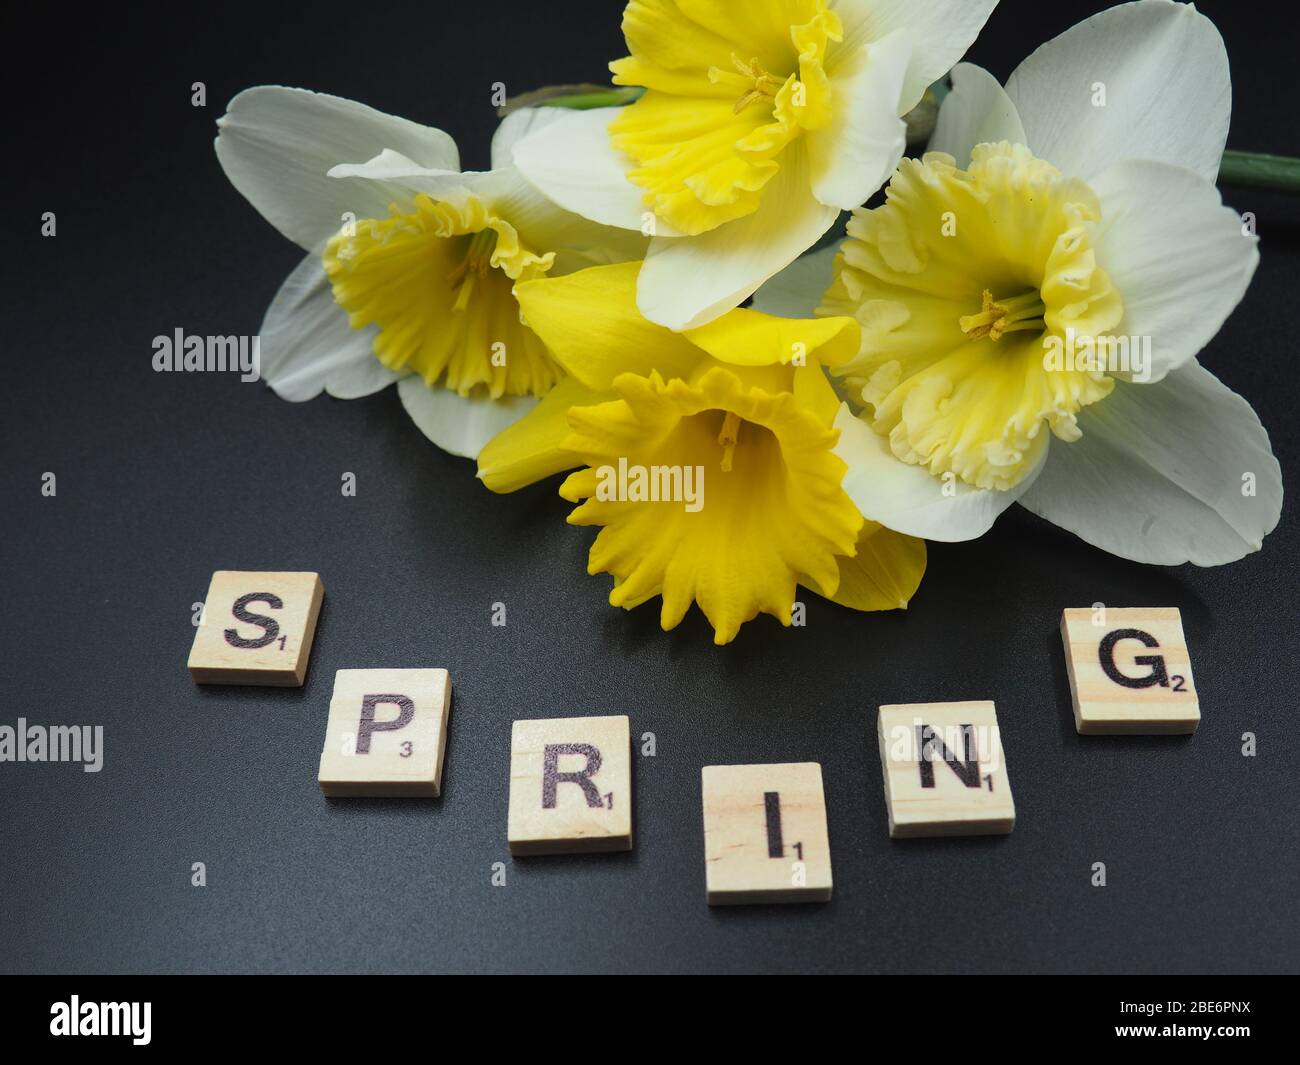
{"x":684,"y":82}
{"x":813,"y":390}
{"x":729,"y":87}
{"x":745,"y":337}
{"x":963,"y":282}
{"x":529,"y":450}
{"x":689,"y":158}
{"x":661,"y":35}
{"x":884,"y":574}
{"x":591,"y":324}
{"x":770,"y":512}
{"x":438,"y":284}
{"x":758,"y":27}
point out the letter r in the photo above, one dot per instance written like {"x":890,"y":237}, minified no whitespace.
{"x":552,"y":777}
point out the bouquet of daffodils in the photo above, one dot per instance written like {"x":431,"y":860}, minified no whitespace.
{"x":640,"y":294}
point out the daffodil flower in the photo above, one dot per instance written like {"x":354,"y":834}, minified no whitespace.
{"x":760,"y":122}
{"x":1033,"y":296}
{"x":742,"y":410}
{"x":411,"y":263}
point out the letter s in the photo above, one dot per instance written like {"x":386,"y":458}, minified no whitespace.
{"x":270,"y":625}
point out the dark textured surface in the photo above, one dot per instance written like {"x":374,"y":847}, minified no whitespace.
{"x":162,"y":479}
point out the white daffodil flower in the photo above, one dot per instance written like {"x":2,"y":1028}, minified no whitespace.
{"x":1033,"y":296}
{"x":760,"y":122}
{"x":411,"y":264}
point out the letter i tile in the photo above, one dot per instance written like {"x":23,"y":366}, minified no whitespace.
{"x":765,"y":836}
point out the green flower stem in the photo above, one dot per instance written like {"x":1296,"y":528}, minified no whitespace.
{"x":1256,"y":170}
{"x":576,"y":97}
{"x":585,"y":101}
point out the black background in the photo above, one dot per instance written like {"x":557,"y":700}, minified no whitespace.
{"x":164,"y":478}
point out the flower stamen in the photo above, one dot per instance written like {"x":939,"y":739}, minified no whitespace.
{"x":475,"y":264}
{"x":753,"y":81}
{"x":727,"y":438}
{"x":996,"y":319}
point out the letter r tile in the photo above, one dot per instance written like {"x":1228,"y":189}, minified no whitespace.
{"x":1129,"y":671}
{"x":570,"y":785}
{"x":765,"y":836}
{"x":944,"y":770}
{"x":257,"y":628}
{"x":387,"y":733}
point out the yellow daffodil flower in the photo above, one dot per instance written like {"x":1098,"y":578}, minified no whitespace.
{"x":734,"y":495}
{"x":1033,"y":295}
{"x":437,"y":283}
{"x":411,"y":263}
{"x":759,"y":123}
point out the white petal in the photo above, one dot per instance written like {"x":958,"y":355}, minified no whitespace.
{"x":277,"y":145}
{"x":796,"y":292}
{"x":1168,"y":94}
{"x":1179,"y":258}
{"x":941,"y":31}
{"x":360,"y":378}
{"x":307,"y":345}
{"x":572,"y":161}
{"x":689,"y":281}
{"x":907,"y":498}
{"x":856,"y":152}
{"x":542,"y":224}
{"x":977,"y":111}
{"x":401,"y":179}
{"x":460,"y":425}
{"x":1159,"y":474}
{"x":515,"y":127}
{"x":545,"y":226}
{"x":393,"y":169}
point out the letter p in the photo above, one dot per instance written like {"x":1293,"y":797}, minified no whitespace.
{"x":369,"y":725}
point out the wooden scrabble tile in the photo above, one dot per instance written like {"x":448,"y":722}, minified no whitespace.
{"x":1129,"y":671}
{"x":257,"y":628}
{"x":387,"y":733}
{"x":571,"y":785}
{"x":765,"y":834}
{"x":945,"y":774}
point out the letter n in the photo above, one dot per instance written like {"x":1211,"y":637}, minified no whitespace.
{"x":967,"y":769}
